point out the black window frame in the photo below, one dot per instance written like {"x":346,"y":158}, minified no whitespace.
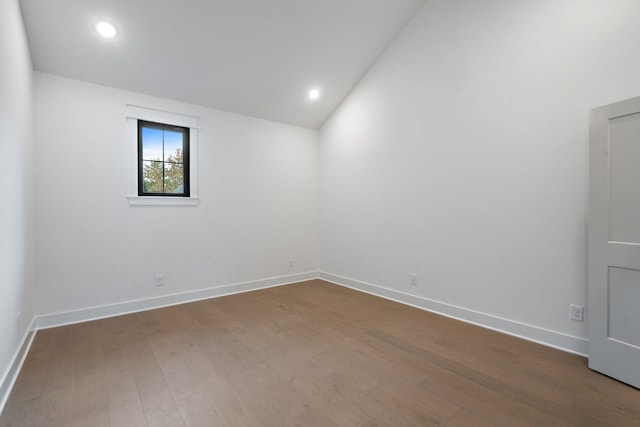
{"x":185,"y":159}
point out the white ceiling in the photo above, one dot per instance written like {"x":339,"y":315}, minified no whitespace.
{"x":253,"y":57}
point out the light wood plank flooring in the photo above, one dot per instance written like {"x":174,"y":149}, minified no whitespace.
{"x":308,"y":354}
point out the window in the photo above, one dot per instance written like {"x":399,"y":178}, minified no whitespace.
{"x":153,"y":137}
{"x":163,"y":160}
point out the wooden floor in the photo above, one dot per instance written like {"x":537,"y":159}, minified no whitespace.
{"x":309,"y":354}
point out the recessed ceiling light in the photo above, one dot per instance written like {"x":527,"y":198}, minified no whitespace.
{"x":314,"y":93}
{"x":106,"y":29}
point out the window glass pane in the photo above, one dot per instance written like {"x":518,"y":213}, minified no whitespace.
{"x":163,"y":159}
{"x":173,"y":146}
{"x":152,"y":177}
{"x":151,"y":144}
{"x":173,"y":180}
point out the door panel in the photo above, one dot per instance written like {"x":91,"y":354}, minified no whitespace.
{"x":624,"y":316}
{"x":614,"y":241}
{"x":624,"y":152}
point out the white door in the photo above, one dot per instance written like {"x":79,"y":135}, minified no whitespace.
{"x":614,"y":241}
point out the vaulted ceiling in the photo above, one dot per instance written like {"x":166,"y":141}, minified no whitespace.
{"x":254,"y":57}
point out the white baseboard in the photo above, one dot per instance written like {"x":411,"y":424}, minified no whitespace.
{"x":11,"y":374}
{"x":533,"y":333}
{"x":100,"y":312}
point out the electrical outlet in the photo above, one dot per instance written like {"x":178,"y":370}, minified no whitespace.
{"x":576,"y":312}
{"x":159,"y":279}
{"x":414,"y":279}
{"x":290,"y":262}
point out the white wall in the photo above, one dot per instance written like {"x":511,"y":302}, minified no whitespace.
{"x":258,"y":202}
{"x":462,"y":155}
{"x":16,"y":201}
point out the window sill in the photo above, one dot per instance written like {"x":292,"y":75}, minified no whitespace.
{"x":162,"y":201}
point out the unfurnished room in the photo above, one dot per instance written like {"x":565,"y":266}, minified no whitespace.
{"x":320,"y":213}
